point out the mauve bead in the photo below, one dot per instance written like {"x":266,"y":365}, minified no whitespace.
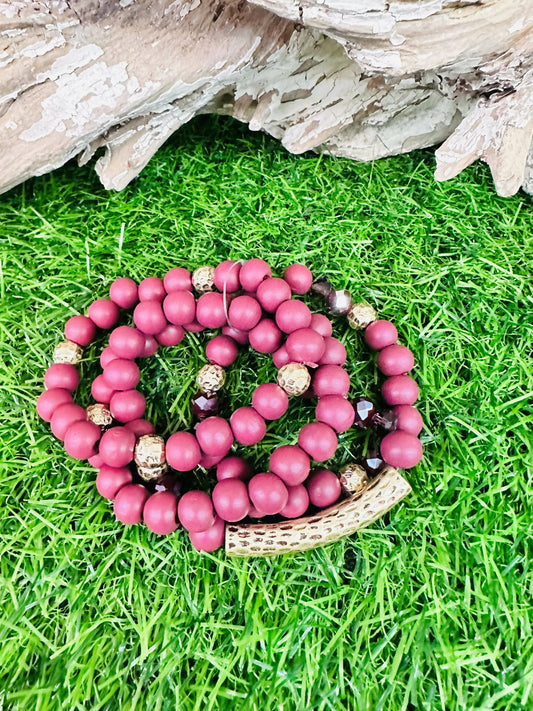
{"x":124,"y":292}
{"x":265,"y":337}
{"x":140,"y":427}
{"x":211,"y":539}
{"x":96,"y":461}
{"x":330,"y":380}
{"x":318,"y":440}
{"x":210,"y":310}
{"x":221,"y":350}
{"x":64,"y":416}
{"x":208,"y":462}
{"x":171,"y":335}
{"x":214,"y":436}
{"x":231,"y":500}
{"x":127,"y":405}
{"x":401,"y":449}
{"x":272,"y":292}
{"x":149,"y":318}
{"x":180,"y":307}
{"x":50,"y":400}
{"x":106,"y":356}
{"x":248,"y":426}
{"x":270,"y":401}
{"x":334,"y":352}
{"x":103,"y":313}
{"x":244,"y":313}
{"x":80,"y":330}
{"x":227,"y":275}
{"x":305,"y":346}
{"x":292,"y":315}
{"x":281,"y":357}
{"x":177,"y":279}
{"x":380,"y":334}
{"x":193,"y":327}
{"x":204,"y":405}
{"x":62,"y":375}
{"x":252,"y":274}
{"x":299,"y":278}
{"x":81,"y":439}
{"x":400,"y":390}
{"x":241,"y":337}
{"x":268,"y":493}
{"x":129,"y":503}
{"x":408,"y":419}
{"x":101,"y":391}
{"x":290,"y":463}
{"x":116,"y":446}
{"x":395,"y":360}
{"x":321,"y":324}
{"x":127,"y":342}
{"x":233,"y":468}
{"x":160,"y":512}
{"x":297,"y":503}
{"x":150,"y":346}
{"x":110,"y":480}
{"x":195,"y":511}
{"x":122,"y":374}
{"x":183,"y":451}
{"x":152,"y":289}
{"x":336,"y":412}
{"x":323,"y":487}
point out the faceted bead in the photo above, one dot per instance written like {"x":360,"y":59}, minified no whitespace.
{"x":168,"y":482}
{"x":364,"y":411}
{"x":373,"y":463}
{"x":324,"y":287}
{"x":339,"y":302}
{"x":204,"y":405}
{"x":386,"y":420}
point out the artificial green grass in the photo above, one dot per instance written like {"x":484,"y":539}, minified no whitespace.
{"x":428,"y":608}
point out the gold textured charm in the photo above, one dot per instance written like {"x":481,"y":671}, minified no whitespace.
{"x":210,"y":378}
{"x":203,"y":279}
{"x":100,"y":415}
{"x":67,"y":352}
{"x":361,"y":315}
{"x":353,"y":479}
{"x":150,"y":457}
{"x":294,"y":378}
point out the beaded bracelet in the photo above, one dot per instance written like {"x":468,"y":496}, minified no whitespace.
{"x":251,"y":307}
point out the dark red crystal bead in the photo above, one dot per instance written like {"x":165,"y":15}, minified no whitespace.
{"x":373,"y":463}
{"x":169,"y":483}
{"x":204,"y":405}
{"x":385,"y":420}
{"x":364,"y":411}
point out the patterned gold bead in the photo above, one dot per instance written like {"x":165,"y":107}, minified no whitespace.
{"x":353,"y":479}
{"x":100,"y":415}
{"x":361,"y":315}
{"x":67,"y":352}
{"x":150,"y":457}
{"x":210,"y":378}
{"x":203,"y":279}
{"x":294,"y":378}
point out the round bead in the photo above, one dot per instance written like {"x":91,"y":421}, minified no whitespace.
{"x":272,"y":292}
{"x":336,"y":412}
{"x":323,"y":487}
{"x":214,"y":436}
{"x":50,"y":400}
{"x":334,"y":352}
{"x":160,"y":512}
{"x":80,"y":330}
{"x":171,"y":335}
{"x":297,"y":503}
{"x":268,"y":493}
{"x":210,"y":378}
{"x":270,"y":401}
{"x":265,"y":337}
{"x":96,"y":461}
{"x":408,"y":419}
{"x":140,"y":427}
{"x":127,"y":342}
{"x":150,"y":346}
{"x":122,"y":374}
{"x":179,"y":307}
{"x":252,"y":273}
{"x":149,"y":317}
{"x":248,"y":426}
{"x":195,"y":511}
{"x":331,"y":380}
{"x":151,"y":289}
{"x":193,"y":327}
{"x":211,"y":539}
{"x":299,"y":278}
{"x":353,"y":479}
{"x":100,"y":415}
{"x":290,"y":463}
{"x":400,"y":390}
{"x":401,"y":449}
{"x":241,"y":337}
{"x":81,"y":439}
{"x":64,"y":416}
{"x":380,"y":334}
{"x":230,"y":499}
{"x":106,"y":356}
{"x":395,"y":360}
{"x":208,"y":462}
{"x":339,"y":301}
{"x":203,"y":279}
{"x":233,"y":468}
{"x":318,"y":440}
{"x":127,"y":405}
{"x":67,"y":352}
{"x":321,"y":324}
{"x":361,"y":315}
{"x":177,"y":279}
{"x":110,"y":480}
{"x":210,"y":311}
{"x":221,"y":350}
{"x":62,"y":375}
{"x":116,"y":446}
{"x":183,"y":451}
{"x":103,"y":313}
{"x":244,"y":313}
{"x":129,"y":503}
{"x":294,"y":378}
{"x":101,"y":391}
{"x":124,"y":293}
{"x":281,"y":358}
{"x":227,"y":276}
{"x":292,"y":315}
{"x":305,"y":346}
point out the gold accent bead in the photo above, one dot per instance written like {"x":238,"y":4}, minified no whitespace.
{"x":361,"y":315}
{"x":100,"y":415}
{"x":203,"y":279}
{"x":150,"y":457}
{"x":353,"y":479}
{"x":294,"y":378}
{"x":210,"y":378}
{"x":67,"y":352}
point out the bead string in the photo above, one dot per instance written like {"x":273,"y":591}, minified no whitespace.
{"x":251,"y":307}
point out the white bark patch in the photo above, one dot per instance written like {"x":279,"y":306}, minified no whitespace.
{"x":69,"y":62}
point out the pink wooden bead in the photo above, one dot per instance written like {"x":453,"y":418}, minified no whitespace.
{"x":214,"y":436}
{"x":395,"y":360}
{"x":129,"y":503}
{"x":101,"y":391}
{"x":336,"y":412}
{"x":401,"y":449}
{"x":210,"y":311}
{"x":149,"y":317}
{"x":221,"y":350}
{"x":244,"y":313}
{"x":124,"y":293}
{"x":324,"y":488}
{"x":106,"y":356}
{"x":305,"y":346}
{"x":110,"y":480}
{"x":408,"y":419}
{"x":50,"y":400}
{"x":140,"y":427}
{"x":321,"y":324}
{"x":152,"y":289}
{"x":96,"y":461}
{"x":150,"y":346}
{"x":230,"y":499}
{"x":297,"y":503}
{"x":64,"y":416}
{"x":193,"y":327}
{"x":334,"y":352}
{"x":177,"y":279}
{"x":241,"y":337}
{"x":183,"y":451}
{"x":211,"y":539}
{"x":103,"y":313}
{"x":233,"y":468}
{"x":299,"y":278}
{"x":252,"y":274}
{"x":248,"y":426}
{"x":318,"y":440}
{"x":122,"y":374}
{"x":292,"y":315}
{"x":290,"y":463}
{"x":180,"y":307}
{"x":208,"y":462}
{"x":171,"y":335}
{"x":127,"y":342}
{"x":227,"y":276}
{"x":268,"y":493}
{"x":331,"y":380}
{"x":80,"y":330}
{"x":160,"y":513}
{"x":272,"y":292}
{"x":62,"y":375}
{"x":81,"y":439}
{"x":195,"y":511}
{"x":380,"y":334}
{"x":281,"y":357}
{"x":127,"y":405}
{"x":265,"y":337}
{"x":400,"y":390}
{"x":116,"y":446}
{"x":270,"y":401}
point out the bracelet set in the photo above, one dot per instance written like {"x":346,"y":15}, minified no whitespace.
{"x":144,"y":474}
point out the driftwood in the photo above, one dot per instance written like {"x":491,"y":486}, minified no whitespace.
{"x":356,"y":78}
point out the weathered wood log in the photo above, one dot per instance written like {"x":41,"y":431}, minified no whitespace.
{"x":357,"y":78}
